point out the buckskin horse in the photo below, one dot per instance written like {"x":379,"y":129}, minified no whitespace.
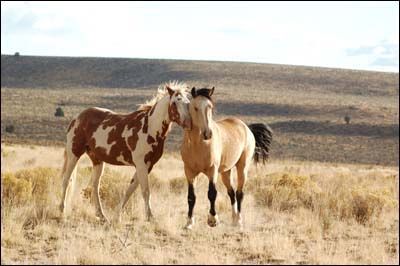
{"x":134,"y":139}
{"x":216,"y":147}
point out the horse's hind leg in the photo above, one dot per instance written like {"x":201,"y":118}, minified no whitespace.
{"x":226,"y":179}
{"x":242,"y":168}
{"x":96,"y":176}
{"x":190,"y":176}
{"x":68,"y":177}
{"x":132,"y":187}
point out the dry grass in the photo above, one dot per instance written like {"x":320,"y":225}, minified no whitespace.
{"x":294,"y":213}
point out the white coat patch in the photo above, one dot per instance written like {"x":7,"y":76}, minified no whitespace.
{"x":101,"y":136}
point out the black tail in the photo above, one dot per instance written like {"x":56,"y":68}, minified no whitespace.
{"x":263,"y":135}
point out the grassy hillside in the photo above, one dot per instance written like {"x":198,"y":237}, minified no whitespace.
{"x":305,"y":106}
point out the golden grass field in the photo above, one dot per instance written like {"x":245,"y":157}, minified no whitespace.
{"x":329,"y":194}
{"x":294,"y":213}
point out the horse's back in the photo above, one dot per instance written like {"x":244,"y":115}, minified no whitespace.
{"x":92,"y":127}
{"x":232,"y":128}
{"x":236,"y":140}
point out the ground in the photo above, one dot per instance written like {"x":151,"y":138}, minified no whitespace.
{"x":294,"y":212}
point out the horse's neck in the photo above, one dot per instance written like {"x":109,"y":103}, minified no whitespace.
{"x":158,"y":118}
{"x":194,"y":137}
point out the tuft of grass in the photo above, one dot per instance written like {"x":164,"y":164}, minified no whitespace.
{"x":289,"y":191}
{"x":177,"y":184}
{"x":27,"y":185}
{"x":285,"y":192}
{"x":111,"y":186}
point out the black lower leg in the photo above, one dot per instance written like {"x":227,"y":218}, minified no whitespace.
{"x":239,"y":198}
{"x":191,"y":199}
{"x":212,"y":195}
{"x":231,"y":194}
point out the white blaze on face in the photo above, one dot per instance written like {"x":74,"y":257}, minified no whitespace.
{"x":182,"y":103}
{"x":101,"y":136}
{"x":206,"y":114}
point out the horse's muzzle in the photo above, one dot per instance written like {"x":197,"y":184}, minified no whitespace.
{"x":207,"y":134}
{"x":187,"y":124}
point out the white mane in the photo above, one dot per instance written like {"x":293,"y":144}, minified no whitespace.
{"x":162,"y":91}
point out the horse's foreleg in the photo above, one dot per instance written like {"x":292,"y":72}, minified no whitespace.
{"x":190,"y":176}
{"x":226,"y":179}
{"x":212,"y":196}
{"x":142,"y":176}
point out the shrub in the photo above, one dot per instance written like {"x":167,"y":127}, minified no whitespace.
{"x":112,"y":186}
{"x":178,"y":185}
{"x":59,"y":112}
{"x":28,"y":185}
{"x":288,"y":191}
{"x":347,"y":119}
{"x":16,"y":54}
{"x":10,"y":128}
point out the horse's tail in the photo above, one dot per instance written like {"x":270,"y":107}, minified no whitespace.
{"x":263,"y":136}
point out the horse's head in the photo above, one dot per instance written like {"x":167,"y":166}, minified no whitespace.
{"x":200,"y":109}
{"x":178,"y":109}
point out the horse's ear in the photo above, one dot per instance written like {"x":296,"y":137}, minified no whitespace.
{"x":193,"y":92}
{"x":170,"y":91}
{"x":211,"y":91}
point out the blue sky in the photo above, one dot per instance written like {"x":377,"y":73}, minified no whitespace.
{"x":355,"y":35}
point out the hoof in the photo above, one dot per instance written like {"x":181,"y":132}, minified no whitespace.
{"x":237,"y":220}
{"x":117,"y":219}
{"x":212,"y":221}
{"x":189,"y":224}
{"x":102,"y":218}
{"x":149,"y":217}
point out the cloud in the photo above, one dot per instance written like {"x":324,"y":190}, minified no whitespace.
{"x":384,"y":61}
{"x":262,"y":33}
{"x":383,"y":48}
{"x":383,"y":55}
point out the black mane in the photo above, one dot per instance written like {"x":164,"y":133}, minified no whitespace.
{"x":204,"y":92}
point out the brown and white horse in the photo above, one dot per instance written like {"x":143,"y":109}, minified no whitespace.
{"x":135,"y":139}
{"x":216,"y":147}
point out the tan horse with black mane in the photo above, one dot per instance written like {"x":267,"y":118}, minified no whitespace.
{"x":216,"y":147}
{"x":134,"y":139}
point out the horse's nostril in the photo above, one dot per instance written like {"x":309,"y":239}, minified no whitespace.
{"x":207,"y":136}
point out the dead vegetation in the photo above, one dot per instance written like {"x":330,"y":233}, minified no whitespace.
{"x":304,"y":106}
{"x":295,"y":212}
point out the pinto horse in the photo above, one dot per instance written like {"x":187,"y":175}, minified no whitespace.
{"x":134,"y":139}
{"x":216,"y":147}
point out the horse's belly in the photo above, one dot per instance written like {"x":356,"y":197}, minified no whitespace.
{"x":228,"y":161}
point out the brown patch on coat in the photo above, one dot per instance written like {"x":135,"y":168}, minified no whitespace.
{"x":158,"y":147}
{"x":173,"y":113}
{"x":71,"y":125}
{"x":146,"y":124}
{"x":150,"y":139}
{"x":152,"y":109}
{"x":90,"y":119}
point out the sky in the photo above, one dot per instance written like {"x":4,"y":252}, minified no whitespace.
{"x":352,"y":35}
